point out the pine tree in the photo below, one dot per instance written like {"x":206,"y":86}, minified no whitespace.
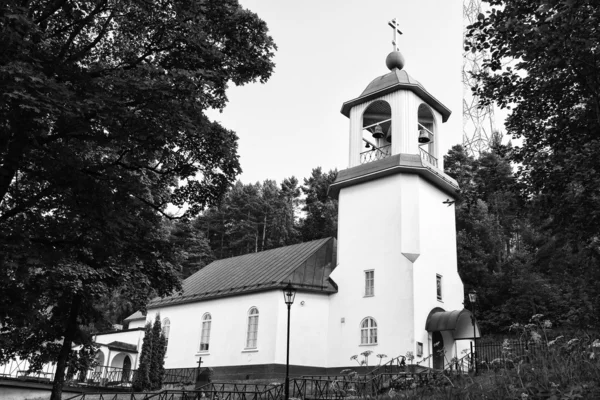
{"x":157,"y":358}
{"x":141,"y":381}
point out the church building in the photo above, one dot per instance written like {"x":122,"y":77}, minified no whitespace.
{"x":388,"y":284}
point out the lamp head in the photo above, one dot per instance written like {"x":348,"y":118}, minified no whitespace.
{"x":472,"y":296}
{"x":289,"y":294}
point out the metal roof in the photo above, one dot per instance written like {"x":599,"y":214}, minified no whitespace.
{"x":306,"y":265}
{"x":391,"y":82}
{"x":462,"y":323}
{"x":398,"y":163}
{"x":122,"y":346}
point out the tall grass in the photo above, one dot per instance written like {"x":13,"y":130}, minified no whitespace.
{"x":560,"y":368}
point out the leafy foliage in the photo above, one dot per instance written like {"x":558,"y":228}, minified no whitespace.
{"x":542,"y":66}
{"x":101,"y":127}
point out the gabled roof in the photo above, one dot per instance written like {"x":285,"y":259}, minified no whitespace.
{"x":396,"y":80}
{"x":122,"y":346}
{"x":306,"y":265}
{"x":135,"y":316}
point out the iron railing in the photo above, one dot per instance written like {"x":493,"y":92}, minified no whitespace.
{"x":377,"y":153}
{"x":162,"y":395}
{"x":180,"y":375}
{"x":98,"y":376}
{"x":463,"y":365}
{"x":509,"y":350}
{"x":428,"y":157}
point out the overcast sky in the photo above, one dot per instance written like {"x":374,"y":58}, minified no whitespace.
{"x":328,"y":52}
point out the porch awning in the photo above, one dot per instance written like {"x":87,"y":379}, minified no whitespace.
{"x":457,"y":321}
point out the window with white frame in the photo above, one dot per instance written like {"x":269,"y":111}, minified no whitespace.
{"x":368,"y":331}
{"x":252,"y":333}
{"x":166,"y":329}
{"x":438,"y":284}
{"x":370,"y":283}
{"x":205,"y":335}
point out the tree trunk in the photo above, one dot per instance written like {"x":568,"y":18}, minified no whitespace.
{"x":264,"y":233}
{"x":65,"y":351}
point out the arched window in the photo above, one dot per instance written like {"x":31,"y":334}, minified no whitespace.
{"x":205,"y":335}
{"x":368,"y":331}
{"x":252,"y":335}
{"x":166,"y":329}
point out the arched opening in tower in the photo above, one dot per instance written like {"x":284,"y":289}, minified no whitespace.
{"x":377,"y":131}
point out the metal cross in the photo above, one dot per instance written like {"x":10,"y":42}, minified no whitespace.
{"x":394,"y":24}
{"x":200,"y":363}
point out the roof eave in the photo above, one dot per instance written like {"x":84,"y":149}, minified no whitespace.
{"x":415,"y":88}
{"x":399,"y":163}
{"x":212,"y":296}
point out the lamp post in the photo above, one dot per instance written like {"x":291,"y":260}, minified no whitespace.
{"x":473,"y":300}
{"x":289,"y":293}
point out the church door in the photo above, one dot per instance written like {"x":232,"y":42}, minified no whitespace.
{"x":438,"y":350}
{"x":126,"y":369}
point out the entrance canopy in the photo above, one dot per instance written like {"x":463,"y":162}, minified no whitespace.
{"x":460,"y":322}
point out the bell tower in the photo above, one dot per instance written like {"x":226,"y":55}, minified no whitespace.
{"x":396,"y":226}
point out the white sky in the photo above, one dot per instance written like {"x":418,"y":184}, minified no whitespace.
{"x":328,"y":52}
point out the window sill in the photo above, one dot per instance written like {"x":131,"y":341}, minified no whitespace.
{"x":369,"y":295}
{"x":369,"y":344}
{"x":440,"y":301}
{"x":203,"y":353}
{"x":250,"y":351}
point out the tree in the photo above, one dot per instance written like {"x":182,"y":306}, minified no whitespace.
{"x":321,"y":210}
{"x":141,"y":380}
{"x":194,"y":250}
{"x":101,"y":127}
{"x":543,"y":66}
{"x":157,"y":358}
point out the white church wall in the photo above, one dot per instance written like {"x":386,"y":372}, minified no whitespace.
{"x":227,"y":345}
{"x":309,"y":319}
{"x":438,"y":257}
{"x":370,"y":222}
{"x":138,"y":323}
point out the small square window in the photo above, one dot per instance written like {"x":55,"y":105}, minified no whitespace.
{"x":419,"y":349}
{"x":438,"y":279}
{"x":369,"y":283}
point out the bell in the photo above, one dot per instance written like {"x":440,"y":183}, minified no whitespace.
{"x":367,"y":146}
{"x":378,"y":132}
{"x":423,"y":136}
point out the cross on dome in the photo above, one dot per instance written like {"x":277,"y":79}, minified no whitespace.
{"x":394,"y":24}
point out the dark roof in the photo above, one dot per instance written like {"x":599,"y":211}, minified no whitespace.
{"x":135,"y":316}
{"x":391,"y":82}
{"x":131,"y":348}
{"x":306,"y":265}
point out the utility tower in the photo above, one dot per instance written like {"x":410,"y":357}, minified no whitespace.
{"x":478,"y":123}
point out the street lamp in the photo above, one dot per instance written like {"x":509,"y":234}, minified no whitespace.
{"x":289,"y":293}
{"x":473,"y":300}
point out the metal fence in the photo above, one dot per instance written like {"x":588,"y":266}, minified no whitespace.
{"x":428,"y":157}
{"x":508,"y":350}
{"x":376,"y":154}
{"x":103,"y":376}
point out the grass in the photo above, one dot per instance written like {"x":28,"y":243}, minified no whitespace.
{"x":565,"y":368}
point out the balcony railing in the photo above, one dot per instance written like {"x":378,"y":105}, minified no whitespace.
{"x":376,"y":154}
{"x":428,"y":157}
